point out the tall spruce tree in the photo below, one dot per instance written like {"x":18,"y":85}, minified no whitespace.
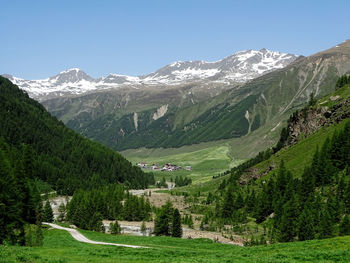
{"x":326,"y":227}
{"x":306,"y":228}
{"x":176,"y":230}
{"x":47,"y":213}
{"x":344,"y":227}
{"x":227,"y":207}
{"x":163,"y":220}
{"x":10,"y":219}
{"x":288,"y":224}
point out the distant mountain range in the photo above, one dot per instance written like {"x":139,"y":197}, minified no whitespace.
{"x":237,"y":68}
{"x":243,"y":99}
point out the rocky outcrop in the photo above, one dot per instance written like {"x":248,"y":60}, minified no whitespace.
{"x":135,"y":117}
{"x":307,"y":121}
{"x":160,"y":112}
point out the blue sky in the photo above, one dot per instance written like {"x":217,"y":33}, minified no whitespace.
{"x":41,"y":38}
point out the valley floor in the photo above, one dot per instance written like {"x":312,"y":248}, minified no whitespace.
{"x":59,"y":246}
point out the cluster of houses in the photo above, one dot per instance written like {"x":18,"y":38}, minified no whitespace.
{"x":168,"y":167}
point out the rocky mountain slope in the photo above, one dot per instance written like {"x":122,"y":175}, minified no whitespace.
{"x":239,"y":67}
{"x":252,"y":112}
{"x":249,"y":114}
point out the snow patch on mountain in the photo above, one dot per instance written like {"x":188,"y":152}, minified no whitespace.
{"x":240,"y":67}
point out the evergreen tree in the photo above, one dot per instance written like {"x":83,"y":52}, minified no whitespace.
{"x":176,"y":230}
{"x":227,"y":207}
{"x":326,"y":225}
{"x":62,"y":212}
{"x":115,"y":228}
{"x":11,"y":221}
{"x":347,"y":198}
{"x":307,"y":183}
{"x":163,"y":220}
{"x":325,"y":169}
{"x":288,"y":225}
{"x":47,"y":213}
{"x":95,"y":223}
{"x":344,"y":227}
{"x":190,"y":222}
{"x":306,"y":229}
{"x":143,"y":228}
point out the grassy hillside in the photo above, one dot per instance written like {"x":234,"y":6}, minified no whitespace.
{"x":205,"y":162}
{"x":59,"y":246}
{"x":298,"y":156}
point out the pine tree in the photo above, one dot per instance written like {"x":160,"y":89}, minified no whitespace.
{"x":47,"y":213}
{"x":307,"y":185}
{"x":306,"y":229}
{"x":227,"y":207}
{"x":347,"y":198}
{"x":95,"y":223}
{"x":10,"y":207}
{"x":324,"y":170}
{"x":176,"y":230}
{"x":62,"y":212}
{"x":288,"y":224}
{"x":326,"y":225}
{"x":143,"y":228}
{"x":190,"y":222}
{"x":115,"y":228}
{"x":163,"y":220}
{"x":344,"y":227}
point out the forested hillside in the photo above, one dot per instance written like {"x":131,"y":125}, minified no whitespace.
{"x":20,"y":202}
{"x":61,"y":157}
{"x":309,"y":199}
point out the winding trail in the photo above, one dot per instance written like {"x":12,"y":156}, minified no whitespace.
{"x":81,"y":238}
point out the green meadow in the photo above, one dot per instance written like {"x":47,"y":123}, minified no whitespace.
{"x":60,"y":247}
{"x":205,"y":162}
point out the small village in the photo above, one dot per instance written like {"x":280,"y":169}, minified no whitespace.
{"x":168,"y":167}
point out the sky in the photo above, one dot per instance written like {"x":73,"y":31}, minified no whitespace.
{"x":40,"y":38}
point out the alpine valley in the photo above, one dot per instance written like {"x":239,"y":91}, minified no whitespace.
{"x":246,"y":159}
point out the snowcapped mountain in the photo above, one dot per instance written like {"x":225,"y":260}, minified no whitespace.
{"x":240,"y":67}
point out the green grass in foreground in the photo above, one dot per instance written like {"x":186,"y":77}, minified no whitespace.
{"x":59,"y":246}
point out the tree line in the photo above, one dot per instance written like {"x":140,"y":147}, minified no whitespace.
{"x":87,"y":209}
{"x":342,"y":81}
{"x":317,"y":205}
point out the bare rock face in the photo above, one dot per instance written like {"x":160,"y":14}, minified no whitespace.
{"x":160,"y":112}
{"x":308,"y":121}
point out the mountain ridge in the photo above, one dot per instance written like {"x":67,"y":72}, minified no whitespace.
{"x":252,"y":112}
{"x":239,"y":67}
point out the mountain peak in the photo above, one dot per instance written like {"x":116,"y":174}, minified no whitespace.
{"x":71,"y":70}
{"x":72,"y":75}
{"x":239,"y":67}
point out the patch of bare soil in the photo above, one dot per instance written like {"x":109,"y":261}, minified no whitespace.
{"x":134,"y":228}
{"x":159,"y":199}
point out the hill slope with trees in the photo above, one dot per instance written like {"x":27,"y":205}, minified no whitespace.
{"x":299,"y":189}
{"x":60,"y":157}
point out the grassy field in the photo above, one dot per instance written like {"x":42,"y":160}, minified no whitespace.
{"x":60,"y":247}
{"x":205,"y":162}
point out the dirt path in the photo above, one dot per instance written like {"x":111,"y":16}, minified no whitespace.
{"x":79,"y":237}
